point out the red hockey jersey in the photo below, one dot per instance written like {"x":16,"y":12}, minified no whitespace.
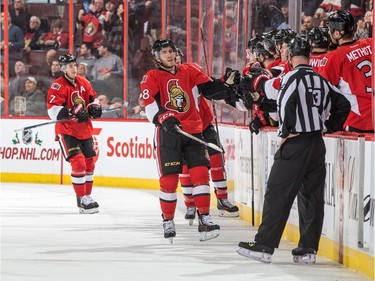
{"x":349,"y":68}
{"x":178,"y":93}
{"x":64,"y":94}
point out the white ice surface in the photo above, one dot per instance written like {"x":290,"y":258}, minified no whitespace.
{"x":44,"y":238}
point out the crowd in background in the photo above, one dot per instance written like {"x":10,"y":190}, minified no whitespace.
{"x":37,"y":37}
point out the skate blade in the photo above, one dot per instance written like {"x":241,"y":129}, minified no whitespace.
{"x":209,"y":235}
{"x":88,"y":211}
{"x":258,"y":256}
{"x":306,"y":259}
{"x":225,"y":214}
{"x":169,"y":240}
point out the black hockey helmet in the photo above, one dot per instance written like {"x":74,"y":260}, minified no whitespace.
{"x":284,"y":36}
{"x":253,"y":41}
{"x":66,"y":59}
{"x":269,"y":45}
{"x":179,"y":52}
{"x":260,"y":50}
{"x":319,"y":37}
{"x":342,"y":21}
{"x":299,"y":47}
{"x":160,"y":44}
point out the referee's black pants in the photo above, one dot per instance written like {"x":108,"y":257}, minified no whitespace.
{"x":298,"y":169}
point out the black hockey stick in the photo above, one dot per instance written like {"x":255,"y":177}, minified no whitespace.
{"x":125,"y":104}
{"x":252,"y":179}
{"x":41,"y":124}
{"x":208,"y":144}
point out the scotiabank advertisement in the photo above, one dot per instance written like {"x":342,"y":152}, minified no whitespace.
{"x":125,"y":149}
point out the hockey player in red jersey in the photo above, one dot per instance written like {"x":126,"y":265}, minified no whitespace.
{"x":170,"y":94}
{"x":320,"y":40}
{"x":71,"y":99}
{"x":217,"y":169}
{"x":350,"y":69}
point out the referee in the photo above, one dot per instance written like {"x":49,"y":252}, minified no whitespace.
{"x":308,"y":105}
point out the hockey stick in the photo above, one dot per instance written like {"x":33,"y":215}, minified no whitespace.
{"x":41,"y":124}
{"x":208,"y":144}
{"x":252,"y":179}
{"x":125,"y":104}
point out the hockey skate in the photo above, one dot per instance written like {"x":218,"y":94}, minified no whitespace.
{"x":169,"y":230}
{"x":93,"y":201}
{"x":226,"y":209}
{"x":190,"y":214}
{"x":304,"y":255}
{"x":255,"y":251}
{"x":207,"y":228}
{"x":86,"y":205}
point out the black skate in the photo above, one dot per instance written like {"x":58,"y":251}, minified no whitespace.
{"x":255,"y":251}
{"x":86,"y":205}
{"x":169,"y":230}
{"x":190,"y":214}
{"x":226,"y":209}
{"x":304,"y":255}
{"x":93,"y":201}
{"x":207,"y":228}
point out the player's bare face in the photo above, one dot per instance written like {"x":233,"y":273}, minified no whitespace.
{"x":168,"y":58}
{"x":71,"y":70}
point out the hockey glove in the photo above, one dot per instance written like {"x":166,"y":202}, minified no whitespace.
{"x":231,"y":77}
{"x":167,"y":120}
{"x":80,"y":113}
{"x":258,"y":77}
{"x":255,"y":125}
{"x":94,"y":109}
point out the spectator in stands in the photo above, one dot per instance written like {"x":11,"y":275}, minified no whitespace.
{"x":368,"y":22}
{"x":115,"y":109}
{"x":86,"y":55}
{"x":310,"y":6}
{"x":82,"y":70}
{"x":15,"y":42}
{"x":280,"y":20}
{"x":109,"y":66}
{"x":114,"y":27}
{"x":361,"y":31}
{"x":16,"y":83}
{"x":55,"y":39}
{"x":33,"y":35}
{"x":52,"y":74}
{"x":307,"y":24}
{"x":55,"y":71}
{"x":104,"y":101}
{"x":20,"y":17}
{"x":91,"y":22}
{"x":35,"y":99}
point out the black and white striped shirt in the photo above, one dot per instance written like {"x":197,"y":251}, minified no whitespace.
{"x":307,"y":102}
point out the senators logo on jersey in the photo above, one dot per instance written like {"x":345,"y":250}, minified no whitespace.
{"x":77,"y":99}
{"x":178,"y":99}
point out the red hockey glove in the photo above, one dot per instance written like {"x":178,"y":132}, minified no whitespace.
{"x":167,"y":120}
{"x":80,"y":113}
{"x":94,"y":109}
